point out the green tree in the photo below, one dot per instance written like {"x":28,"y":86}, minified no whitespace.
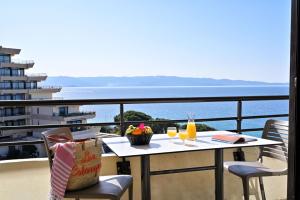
{"x":132,"y":115}
{"x":162,"y":127}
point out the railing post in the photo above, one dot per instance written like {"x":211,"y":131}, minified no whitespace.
{"x":123,"y":167}
{"x":239,"y":117}
{"x":122,"y":127}
{"x":239,"y":154}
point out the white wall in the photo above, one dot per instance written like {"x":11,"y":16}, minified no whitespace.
{"x":29,"y":180}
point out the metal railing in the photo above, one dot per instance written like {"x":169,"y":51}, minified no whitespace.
{"x":36,"y":74}
{"x":121,"y":102}
{"x":19,"y":61}
{"x":74,"y":114}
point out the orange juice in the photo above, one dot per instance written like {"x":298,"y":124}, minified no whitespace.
{"x":183,"y":136}
{"x":191,"y":130}
{"x":171,"y":133}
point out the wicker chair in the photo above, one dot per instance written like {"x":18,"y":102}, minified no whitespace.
{"x":109,"y":187}
{"x":273,"y":130}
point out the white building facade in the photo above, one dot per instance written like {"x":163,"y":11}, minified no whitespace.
{"x":15,"y":84}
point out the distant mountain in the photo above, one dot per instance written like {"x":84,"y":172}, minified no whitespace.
{"x":109,"y":81}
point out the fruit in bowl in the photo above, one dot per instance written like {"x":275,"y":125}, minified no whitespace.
{"x":140,"y":135}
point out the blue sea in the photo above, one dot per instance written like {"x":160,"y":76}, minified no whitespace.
{"x":105,"y":113}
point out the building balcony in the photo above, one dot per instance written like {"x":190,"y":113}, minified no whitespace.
{"x":75,"y":114}
{"x":65,"y":117}
{"x":51,"y":89}
{"x":37,"y":77}
{"x":29,"y":77}
{"x":191,"y":185}
{"x":47,"y":89}
{"x":14,"y":117}
{"x":25,"y":64}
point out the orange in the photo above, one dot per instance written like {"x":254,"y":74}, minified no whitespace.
{"x":137,"y":131}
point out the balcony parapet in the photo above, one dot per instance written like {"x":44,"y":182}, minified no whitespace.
{"x":18,"y":64}
{"x":76,"y":115}
{"x":51,"y":89}
{"x":37,"y":77}
{"x":31,"y":77}
{"x":19,"y":61}
{"x":47,"y":89}
{"x":14,"y":117}
{"x":192,"y":185}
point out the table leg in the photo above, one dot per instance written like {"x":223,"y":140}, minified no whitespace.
{"x":219,"y":174}
{"x":145,"y":175}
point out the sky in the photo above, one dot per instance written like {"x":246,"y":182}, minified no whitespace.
{"x":232,"y":39}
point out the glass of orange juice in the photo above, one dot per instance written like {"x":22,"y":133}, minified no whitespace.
{"x":182,"y":134}
{"x":172,"y":132}
{"x":191,"y":130}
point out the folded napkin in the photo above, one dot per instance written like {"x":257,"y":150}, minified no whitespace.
{"x":232,"y":139}
{"x":63,"y":163}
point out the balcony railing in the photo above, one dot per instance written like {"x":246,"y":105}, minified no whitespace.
{"x":122,"y":123}
{"x":74,"y":114}
{"x":32,"y":88}
{"x":48,"y":87}
{"x":36,"y":74}
{"x":26,"y":62}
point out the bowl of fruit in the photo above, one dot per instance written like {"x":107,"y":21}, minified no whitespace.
{"x":140,"y":135}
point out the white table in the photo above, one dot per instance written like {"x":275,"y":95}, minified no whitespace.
{"x":160,"y":144}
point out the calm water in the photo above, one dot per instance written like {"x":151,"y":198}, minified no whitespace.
{"x":179,"y":111}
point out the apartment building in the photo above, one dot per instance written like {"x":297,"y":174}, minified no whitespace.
{"x":15,"y":84}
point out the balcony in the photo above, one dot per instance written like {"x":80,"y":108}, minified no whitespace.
{"x":14,"y":117}
{"x":47,"y":89}
{"x":191,"y":185}
{"x":36,"y":77}
{"x":51,"y":89}
{"x":28,"y":78}
{"x":25,"y":64}
{"x":75,"y":115}
{"x":188,"y":185}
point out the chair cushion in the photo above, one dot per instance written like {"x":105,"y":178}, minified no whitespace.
{"x":250,"y":169}
{"x":108,"y":186}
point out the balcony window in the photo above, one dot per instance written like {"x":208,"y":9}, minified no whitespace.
{"x":18,"y":97}
{"x":63,"y":111}
{"x":74,"y":129}
{"x":4,"y":58}
{"x":34,"y":84}
{"x":5,"y":85}
{"x":17,"y":72}
{"x":18,"y":85}
{"x":19,"y":111}
{"x":4,"y":72}
{"x":5,"y":97}
{"x":28,"y":86}
{"x":31,"y":85}
{"x":20,"y":122}
{"x":9,"y":123}
{"x":8,"y":111}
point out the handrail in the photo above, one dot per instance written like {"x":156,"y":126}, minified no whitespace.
{"x":19,"y":61}
{"x":140,"y":100}
{"x":36,"y":74}
{"x":122,"y":101}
